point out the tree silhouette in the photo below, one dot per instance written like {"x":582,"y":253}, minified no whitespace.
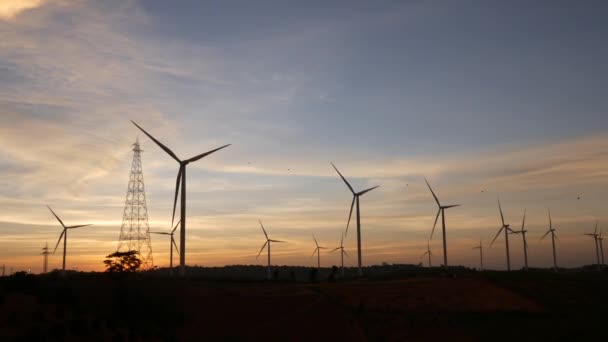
{"x":123,"y":262}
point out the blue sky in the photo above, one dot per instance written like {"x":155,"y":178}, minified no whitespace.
{"x":505,"y":97}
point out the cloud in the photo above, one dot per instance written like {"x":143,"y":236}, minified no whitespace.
{"x":9,"y":9}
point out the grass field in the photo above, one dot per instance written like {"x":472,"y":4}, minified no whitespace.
{"x":484,"y":306}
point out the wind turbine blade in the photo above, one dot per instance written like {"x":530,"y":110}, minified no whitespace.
{"x":344,"y":179}
{"x":499,"y":231}
{"x":451,"y":206}
{"x":432,"y":192}
{"x":342,"y":240}
{"x":555,"y":236}
{"x":315,"y":251}
{"x":502,"y":218}
{"x":177,"y":225}
{"x":277,"y":241}
{"x":165,"y":148}
{"x":344,"y":251}
{"x":316,"y":243}
{"x":550,"y":224}
{"x":177,"y":188}
{"x":425,"y":253}
{"x":335,"y":249}
{"x":523,"y":222}
{"x":350,"y":214}
{"x":160,"y":233}
{"x":175,"y":245}
{"x":261,"y":249}
{"x":57,"y":217}
{"x":79,"y":226}
{"x":434,"y":224}
{"x":548,"y":231}
{"x":193,"y":159}
{"x":361,"y":193}
{"x":264,"y":230}
{"x":58,"y":241}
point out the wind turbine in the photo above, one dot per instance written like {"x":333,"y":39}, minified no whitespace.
{"x":523,"y":234}
{"x":600,"y":238}
{"x":64,"y":235}
{"x":268,"y":241}
{"x":428,"y":252}
{"x":342,"y":253}
{"x":553,"y":237}
{"x":45,"y":253}
{"x":318,"y":251}
{"x":356,"y":196}
{"x":595,"y":237}
{"x":441,"y":211}
{"x":480,"y":247}
{"x":181,"y":176}
{"x":171,"y":245}
{"x":507,"y":230}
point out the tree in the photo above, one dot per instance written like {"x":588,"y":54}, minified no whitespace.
{"x":123,"y":261}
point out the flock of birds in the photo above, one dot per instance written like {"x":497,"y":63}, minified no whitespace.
{"x":181,"y":188}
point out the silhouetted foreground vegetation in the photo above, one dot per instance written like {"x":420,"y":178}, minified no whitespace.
{"x":394,"y":303}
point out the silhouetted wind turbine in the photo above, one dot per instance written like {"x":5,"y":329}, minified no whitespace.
{"x":553,"y":237}
{"x":342,"y":253}
{"x":507,"y":230}
{"x":45,"y":253}
{"x":600,"y":238}
{"x":428,"y":252}
{"x":480,"y":247}
{"x":181,"y":176}
{"x":267,"y":243}
{"x":356,"y":196}
{"x":318,"y":251}
{"x":595,"y":237}
{"x":441,"y":210}
{"x":171,"y":245}
{"x":523,"y":235}
{"x":64,"y":235}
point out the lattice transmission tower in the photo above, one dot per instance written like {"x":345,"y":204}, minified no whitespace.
{"x":134,"y":231}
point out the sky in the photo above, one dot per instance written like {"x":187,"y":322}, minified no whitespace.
{"x":483,"y":98}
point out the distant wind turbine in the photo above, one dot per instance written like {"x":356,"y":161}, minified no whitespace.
{"x":507,"y":230}
{"x":553,"y":237}
{"x":267,"y":243}
{"x":64,"y":235}
{"x":181,"y":176}
{"x":441,"y":210}
{"x":318,"y":251}
{"x":171,"y":245}
{"x":342,"y":253}
{"x":480,"y":247}
{"x":595,"y":237}
{"x":523,"y":235}
{"x":356,"y":196}
{"x":600,"y":238}
{"x":428,"y":252}
{"x":45,"y":253}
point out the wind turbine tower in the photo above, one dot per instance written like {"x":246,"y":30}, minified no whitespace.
{"x":356,"y":196}
{"x":180,"y":186}
{"x":342,"y":253}
{"x":595,"y":237}
{"x":45,"y":253}
{"x":480,"y":247}
{"x":441,"y":210}
{"x":553,"y":237}
{"x":428,"y":252}
{"x":506,"y":228}
{"x":134,"y":231}
{"x":318,"y":251}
